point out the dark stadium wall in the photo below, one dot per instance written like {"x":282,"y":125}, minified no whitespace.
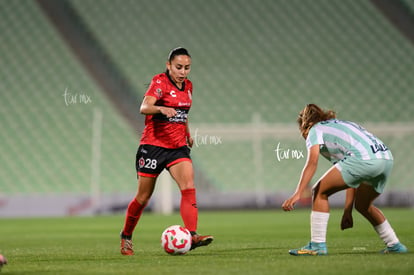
{"x":399,"y":15}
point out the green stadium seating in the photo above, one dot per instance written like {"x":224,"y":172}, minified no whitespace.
{"x":249,"y":56}
{"x":46,"y":142}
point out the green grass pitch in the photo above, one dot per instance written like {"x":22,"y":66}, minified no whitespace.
{"x":246,"y":242}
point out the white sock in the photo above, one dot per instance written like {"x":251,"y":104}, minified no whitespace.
{"x":386,"y":233}
{"x":319,"y":225}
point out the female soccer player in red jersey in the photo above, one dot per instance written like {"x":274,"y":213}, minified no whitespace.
{"x":165,"y":143}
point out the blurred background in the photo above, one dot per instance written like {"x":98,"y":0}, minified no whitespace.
{"x":73,"y":74}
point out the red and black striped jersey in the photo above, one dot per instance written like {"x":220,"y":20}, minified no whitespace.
{"x":160,"y":130}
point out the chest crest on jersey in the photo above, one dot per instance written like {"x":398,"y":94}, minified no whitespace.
{"x":159,"y":92}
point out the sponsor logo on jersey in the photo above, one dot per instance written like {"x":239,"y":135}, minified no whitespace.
{"x":378,"y":147}
{"x":172,"y":93}
{"x":181,"y":116}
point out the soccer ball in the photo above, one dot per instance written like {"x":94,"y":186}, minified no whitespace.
{"x":176,"y":240}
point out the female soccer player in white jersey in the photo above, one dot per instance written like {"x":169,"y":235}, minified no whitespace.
{"x":165,"y":144}
{"x":361,"y":164}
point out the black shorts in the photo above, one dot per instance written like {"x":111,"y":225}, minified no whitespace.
{"x":151,"y":160}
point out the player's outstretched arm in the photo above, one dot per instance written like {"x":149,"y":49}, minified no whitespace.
{"x":307,"y":173}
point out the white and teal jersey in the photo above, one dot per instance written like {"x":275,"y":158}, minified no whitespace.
{"x":339,"y":139}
